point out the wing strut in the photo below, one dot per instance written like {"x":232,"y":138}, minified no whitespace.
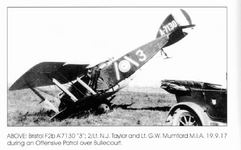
{"x":86,"y":86}
{"x":45,"y":100}
{"x":65,"y":90}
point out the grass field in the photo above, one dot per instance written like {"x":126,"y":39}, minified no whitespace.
{"x":131,"y":107}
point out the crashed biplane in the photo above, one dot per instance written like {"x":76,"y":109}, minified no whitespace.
{"x":93,"y":87}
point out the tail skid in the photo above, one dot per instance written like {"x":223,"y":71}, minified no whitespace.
{"x":163,"y":52}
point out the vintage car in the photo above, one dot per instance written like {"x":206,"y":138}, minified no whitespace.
{"x":198,"y":103}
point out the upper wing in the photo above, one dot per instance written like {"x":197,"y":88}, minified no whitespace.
{"x":43,"y":73}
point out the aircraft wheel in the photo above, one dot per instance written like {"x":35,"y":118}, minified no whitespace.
{"x":103,"y":108}
{"x":64,"y":102}
{"x":185,"y":118}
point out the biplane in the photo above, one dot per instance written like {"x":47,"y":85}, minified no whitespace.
{"x":93,"y":87}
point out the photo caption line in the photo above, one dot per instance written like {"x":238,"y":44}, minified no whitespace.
{"x":97,"y":139}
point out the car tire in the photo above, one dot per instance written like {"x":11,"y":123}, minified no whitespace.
{"x":185,"y":118}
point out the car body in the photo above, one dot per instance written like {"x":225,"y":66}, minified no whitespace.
{"x":198,"y":103}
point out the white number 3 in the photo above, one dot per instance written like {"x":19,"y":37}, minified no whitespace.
{"x":142,"y":56}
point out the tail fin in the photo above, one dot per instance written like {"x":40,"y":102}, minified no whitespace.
{"x":173,"y":26}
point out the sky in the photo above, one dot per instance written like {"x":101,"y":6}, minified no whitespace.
{"x":92,"y":35}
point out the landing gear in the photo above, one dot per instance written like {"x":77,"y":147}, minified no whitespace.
{"x":103,"y":107}
{"x":92,"y":105}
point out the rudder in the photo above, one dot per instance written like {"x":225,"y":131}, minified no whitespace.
{"x":173,"y":27}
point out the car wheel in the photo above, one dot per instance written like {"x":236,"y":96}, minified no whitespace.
{"x":185,"y":118}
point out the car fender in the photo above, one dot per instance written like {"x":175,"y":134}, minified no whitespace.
{"x":191,"y":107}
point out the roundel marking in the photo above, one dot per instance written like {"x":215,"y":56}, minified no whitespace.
{"x":124,"y":66}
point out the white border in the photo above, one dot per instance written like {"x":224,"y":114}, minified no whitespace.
{"x":233,"y":129}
